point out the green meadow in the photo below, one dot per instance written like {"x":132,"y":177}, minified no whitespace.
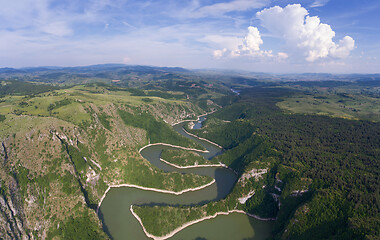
{"x":350,"y":106}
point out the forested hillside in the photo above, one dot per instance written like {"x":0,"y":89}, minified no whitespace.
{"x":334,"y":162}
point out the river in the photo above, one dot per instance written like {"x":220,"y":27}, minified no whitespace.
{"x":120,"y":224}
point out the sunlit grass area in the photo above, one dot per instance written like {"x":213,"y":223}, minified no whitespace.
{"x":351,"y":106}
{"x":73,"y":104}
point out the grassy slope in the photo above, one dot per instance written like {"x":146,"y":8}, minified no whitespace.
{"x":71,"y":143}
{"x":343,"y":105}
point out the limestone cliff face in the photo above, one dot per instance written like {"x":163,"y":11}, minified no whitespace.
{"x":28,"y":196}
{"x":12,"y":215}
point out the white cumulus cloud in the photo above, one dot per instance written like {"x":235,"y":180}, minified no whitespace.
{"x":343,"y":48}
{"x":248,"y":46}
{"x":253,"y":40}
{"x":304,"y":34}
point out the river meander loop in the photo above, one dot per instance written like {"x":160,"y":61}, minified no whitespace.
{"x":119,"y":222}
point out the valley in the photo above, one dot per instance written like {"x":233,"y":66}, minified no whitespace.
{"x":284,"y":159}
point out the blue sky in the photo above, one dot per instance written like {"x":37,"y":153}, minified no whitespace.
{"x":337,"y":36}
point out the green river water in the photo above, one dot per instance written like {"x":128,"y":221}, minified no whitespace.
{"x":119,"y":223}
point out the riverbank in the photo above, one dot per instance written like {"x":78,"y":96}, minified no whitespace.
{"x":193,"y":166}
{"x":175,"y":146}
{"x":204,"y":139}
{"x":153,"y":189}
{"x":172,"y":233}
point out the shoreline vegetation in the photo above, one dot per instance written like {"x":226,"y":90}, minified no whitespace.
{"x":194,"y":166}
{"x":172,"y":233}
{"x":171,"y":145}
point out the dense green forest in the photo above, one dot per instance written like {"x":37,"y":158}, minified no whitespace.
{"x":341,"y":157}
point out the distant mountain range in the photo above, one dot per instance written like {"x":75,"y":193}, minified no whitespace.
{"x":99,"y":67}
{"x":129,"y":73}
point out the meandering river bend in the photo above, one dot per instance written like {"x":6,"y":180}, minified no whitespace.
{"x":121,"y":224}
